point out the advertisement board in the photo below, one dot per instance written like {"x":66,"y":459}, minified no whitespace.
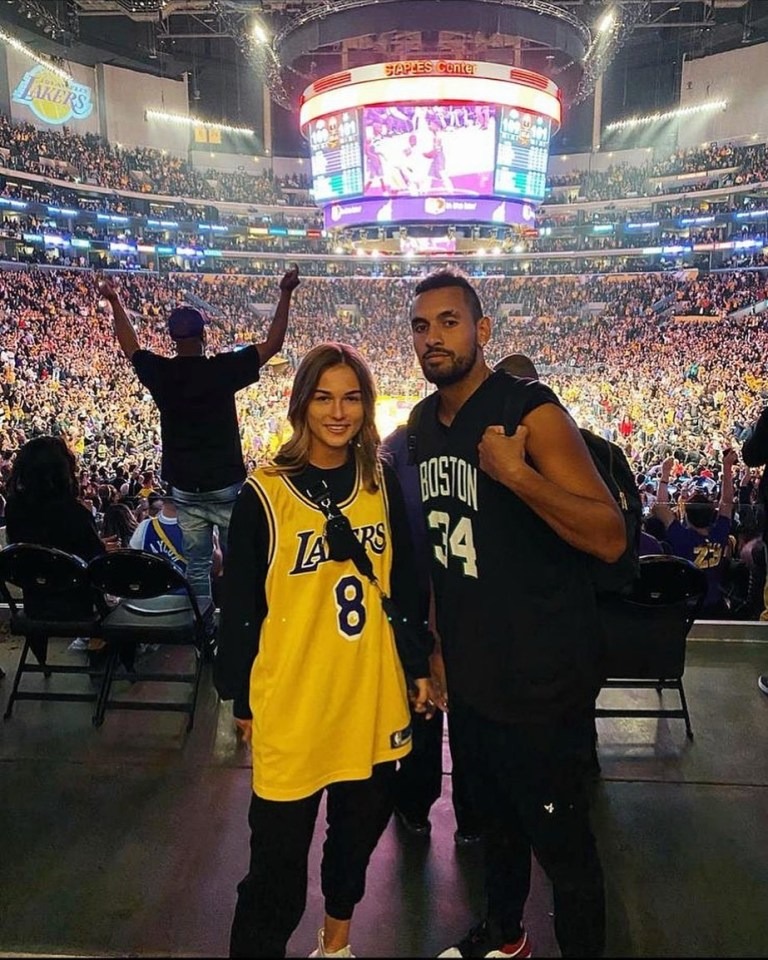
{"x":427,"y":210}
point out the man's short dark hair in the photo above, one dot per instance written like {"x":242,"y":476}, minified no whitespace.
{"x":441,"y":279}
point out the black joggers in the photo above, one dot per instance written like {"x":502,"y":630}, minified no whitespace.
{"x":272,"y":896}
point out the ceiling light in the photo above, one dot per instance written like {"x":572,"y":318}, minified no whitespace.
{"x":606,"y":22}
{"x":667,"y":115}
{"x":179,"y":118}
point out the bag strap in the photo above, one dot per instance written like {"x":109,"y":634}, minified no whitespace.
{"x":321,"y":496}
{"x":158,"y":528}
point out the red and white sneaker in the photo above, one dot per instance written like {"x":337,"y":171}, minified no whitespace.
{"x":478,"y":943}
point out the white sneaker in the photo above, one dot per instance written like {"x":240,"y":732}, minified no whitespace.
{"x":322,"y":952}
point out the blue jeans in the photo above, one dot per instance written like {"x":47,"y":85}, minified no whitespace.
{"x":198,"y":514}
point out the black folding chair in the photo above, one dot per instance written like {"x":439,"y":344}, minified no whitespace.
{"x":57,"y":600}
{"x":156,"y":606}
{"x":646,"y":633}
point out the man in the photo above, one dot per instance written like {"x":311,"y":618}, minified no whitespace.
{"x":202,"y":462}
{"x":704,"y":537}
{"x":511,"y":519}
{"x":755,"y":454}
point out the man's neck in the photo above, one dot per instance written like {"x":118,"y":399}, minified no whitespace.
{"x":453,"y":397}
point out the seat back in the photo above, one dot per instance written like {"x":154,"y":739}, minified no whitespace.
{"x":55,"y":585}
{"x":645,"y":631}
{"x":140,"y":575}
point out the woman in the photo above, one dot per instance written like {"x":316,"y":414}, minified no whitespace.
{"x":119,"y":523}
{"x":43,"y":505}
{"x":310,"y":660}
{"x":43,"y":508}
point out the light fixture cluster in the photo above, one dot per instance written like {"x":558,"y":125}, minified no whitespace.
{"x":27,"y":52}
{"x":181,"y":119}
{"x":667,"y":115}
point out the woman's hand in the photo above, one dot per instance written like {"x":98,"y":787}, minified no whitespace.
{"x":244,"y":729}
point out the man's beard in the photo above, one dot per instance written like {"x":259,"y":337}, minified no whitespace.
{"x":459,"y":368}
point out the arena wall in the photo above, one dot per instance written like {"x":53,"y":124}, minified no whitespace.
{"x":125,"y":96}
{"x":738,"y":76}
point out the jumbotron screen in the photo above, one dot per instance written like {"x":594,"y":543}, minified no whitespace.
{"x":437,"y":129}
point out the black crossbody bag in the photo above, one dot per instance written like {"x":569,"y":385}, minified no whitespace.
{"x":344,"y":545}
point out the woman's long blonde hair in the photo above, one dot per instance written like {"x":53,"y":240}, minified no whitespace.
{"x":293,"y":455}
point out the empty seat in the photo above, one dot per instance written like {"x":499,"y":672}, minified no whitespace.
{"x":646,"y":632}
{"x":156,"y":606}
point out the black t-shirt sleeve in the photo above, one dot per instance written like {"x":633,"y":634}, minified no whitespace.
{"x":241,"y":367}
{"x":534,"y":394}
{"x":244,"y":603}
{"x":147,"y":368}
{"x":413,"y":645}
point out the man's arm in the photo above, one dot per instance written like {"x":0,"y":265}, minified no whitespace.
{"x":725,"y":508}
{"x":276,"y":333}
{"x":661,"y":507}
{"x":126,"y":335}
{"x":563,"y":486}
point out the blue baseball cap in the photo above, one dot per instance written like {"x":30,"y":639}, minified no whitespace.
{"x":184,"y":323}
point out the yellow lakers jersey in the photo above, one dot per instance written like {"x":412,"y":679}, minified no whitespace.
{"x":327,"y":690}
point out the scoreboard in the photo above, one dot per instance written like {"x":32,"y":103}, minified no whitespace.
{"x":521,"y":158}
{"x":454,"y":132}
{"x":337,"y":165}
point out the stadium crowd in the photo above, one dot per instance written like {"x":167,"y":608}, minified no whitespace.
{"x":91,"y":159}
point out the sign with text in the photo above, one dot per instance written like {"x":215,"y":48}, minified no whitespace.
{"x":52,"y":98}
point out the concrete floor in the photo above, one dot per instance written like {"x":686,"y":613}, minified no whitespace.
{"x":128,"y":840}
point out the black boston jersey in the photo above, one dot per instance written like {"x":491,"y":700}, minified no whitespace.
{"x":515,"y":605}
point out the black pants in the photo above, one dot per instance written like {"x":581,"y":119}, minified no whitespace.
{"x":529,"y":783}
{"x":419,"y":781}
{"x":272,"y":896}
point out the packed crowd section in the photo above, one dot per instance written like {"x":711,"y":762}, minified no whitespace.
{"x":93,"y":160}
{"x":654,"y":362}
{"x":726,"y":165}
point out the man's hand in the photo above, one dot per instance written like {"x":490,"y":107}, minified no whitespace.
{"x":730,"y":458}
{"x":666,"y":468}
{"x":290,"y":280}
{"x":107,"y":290}
{"x":500,"y":455}
{"x":439,"y":685}
{"x":244,"y":729}
{"x":422,"y":697}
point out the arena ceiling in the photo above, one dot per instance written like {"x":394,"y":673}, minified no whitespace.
{"x":290,"y":43}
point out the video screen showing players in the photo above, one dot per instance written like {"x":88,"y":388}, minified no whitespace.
{"x":337,"y":170}
{"x":429,"y":149}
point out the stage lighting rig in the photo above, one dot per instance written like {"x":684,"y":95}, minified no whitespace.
{"x":45,"y":17}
